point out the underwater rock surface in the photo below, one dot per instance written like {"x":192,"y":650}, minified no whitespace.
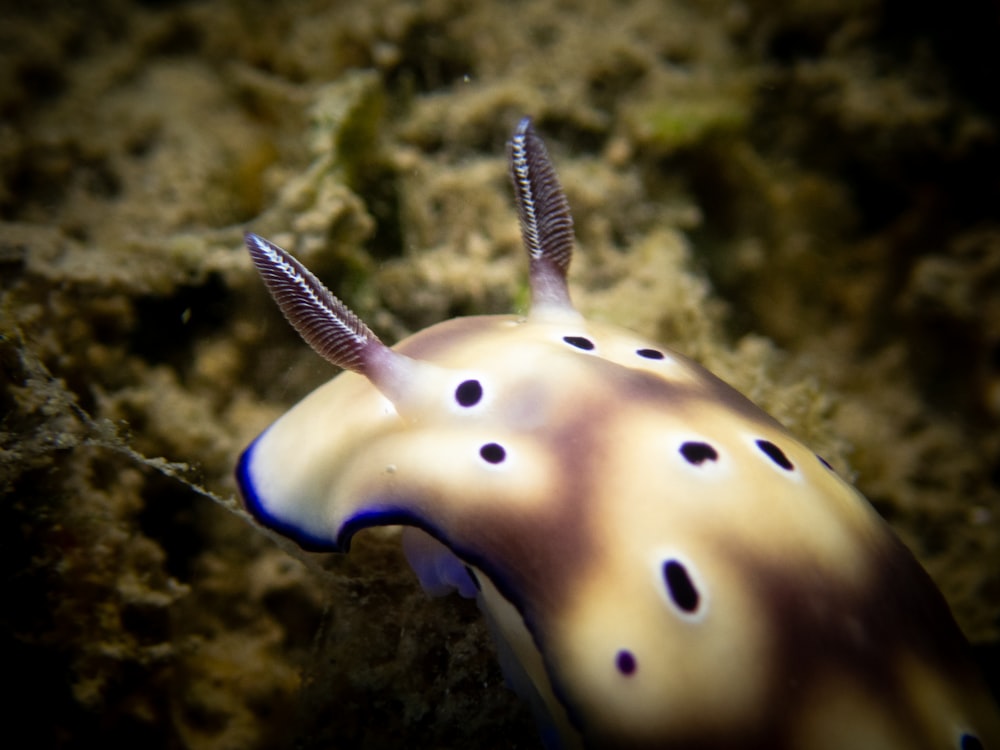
{"x":802,"y":197}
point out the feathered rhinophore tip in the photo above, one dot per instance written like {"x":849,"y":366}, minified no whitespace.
{"x":326,"y":323}
{"x":546,"y":222}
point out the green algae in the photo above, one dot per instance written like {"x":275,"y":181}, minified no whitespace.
{"x":681,"y":112}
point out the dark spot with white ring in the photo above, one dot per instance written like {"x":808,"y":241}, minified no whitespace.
{"x":775,"y":453}
{"x":625,"y":661}
{"x":649,"y":353}
{"x":680,"y":586}
{"x":970,"y":742}
{"x":696,"y":453}
{"x":579,"y":342}
{"x":493,"y":453}
{"x":468,"y":393}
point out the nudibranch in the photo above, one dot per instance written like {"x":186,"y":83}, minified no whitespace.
{"x":660,"y":562}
